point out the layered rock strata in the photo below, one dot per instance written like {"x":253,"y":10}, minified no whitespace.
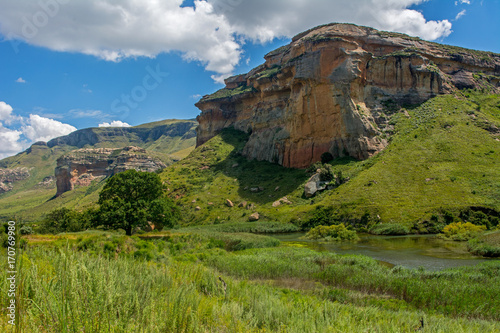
{"x":10,"y":176}
{"x":81,"y":166}
{"x":331,"y":88}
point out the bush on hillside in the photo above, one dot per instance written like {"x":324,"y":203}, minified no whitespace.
{"x":460,"y":231}
{"x":390,"y":229}
{"x":63,"y":220}
{"x":332,"y":233}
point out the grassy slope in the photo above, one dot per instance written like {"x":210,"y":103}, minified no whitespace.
{"x":28,"y":200}
{"x":442,"y":157}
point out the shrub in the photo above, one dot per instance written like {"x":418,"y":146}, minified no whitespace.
{"x":390,"y":229}
{"x":481,"y":248}
{"x":314,"y":167}
{"x":460,"y":231}
{"x":332,"y":233}
{"x":326,"y":174}
{"x":62,"y":220}
{"x":26,"y":230}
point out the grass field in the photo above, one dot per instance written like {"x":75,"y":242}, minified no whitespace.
{"x":181,"y":282}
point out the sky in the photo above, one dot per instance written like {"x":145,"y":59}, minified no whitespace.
{"x":72,"y":64}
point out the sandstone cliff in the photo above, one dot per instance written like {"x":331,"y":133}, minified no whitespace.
{"x":81,"y":166}
{"x":330,"y":88}
{"x":10,"y":176}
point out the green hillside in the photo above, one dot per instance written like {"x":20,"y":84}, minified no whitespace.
{"x":443,"y":159}
{"x":168,"y":140}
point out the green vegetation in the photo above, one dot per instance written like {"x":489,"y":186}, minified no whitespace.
{"x":32,"y":198}
{"x":226,"y":93}
{"x":459,"y":231}
{"x":389,"y":229}
{"x":453,"y":292}
{"x":216,"y":171}
{"x":486,"y":245}
{"x":186,"y":282}
{"x":66,"y":220}
{"x":331,"y":233}
{"x":441,"y":161}
{"x":131,"y":199}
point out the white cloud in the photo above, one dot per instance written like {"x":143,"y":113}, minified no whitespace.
{"x":21,"y":80}
{"x":211,"y":32}
{"x":114,"y":123}
{"x":81,"y":113}
{"x":264,"y":20}
{"x":459,"y":15}
{"x":467,"y":2}
{"x":45,"y":129}
{"x":5,"y":111}
{"x":114,"y":30}
{"x":29,"y":130}
{"x":10,"y":142}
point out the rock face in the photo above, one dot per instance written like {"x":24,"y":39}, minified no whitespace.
{"x":329,"y":91}
{"x":10,"y":176}
{"x":82,"y":166}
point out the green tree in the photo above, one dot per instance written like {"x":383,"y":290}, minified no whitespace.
{"x":62,"y":220}
{"x":132,"y":198}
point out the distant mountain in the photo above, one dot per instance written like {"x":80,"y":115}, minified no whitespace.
{"x":27,"y":180}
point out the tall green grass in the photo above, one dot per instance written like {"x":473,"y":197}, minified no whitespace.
{"x":66,"y":291}
{"x":469,"y":291}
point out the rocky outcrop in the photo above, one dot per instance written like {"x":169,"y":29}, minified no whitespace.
{"x":329,"y":91}
{"x":10,"y":176}
{"x":82,"y":166}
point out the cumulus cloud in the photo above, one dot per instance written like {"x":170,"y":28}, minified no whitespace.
{"x":264,"y":20}
{"x":211,"y":32}
{"x":114,"y":123}
{"x":21,"y":80}
{"x":45,"y":129}
{"x":114,"y":30}
{"x":5,"y":111}
{"x":22,"y":132}
{"x":10,"y":142}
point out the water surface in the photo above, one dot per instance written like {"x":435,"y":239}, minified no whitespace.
{"x":411,"y":251}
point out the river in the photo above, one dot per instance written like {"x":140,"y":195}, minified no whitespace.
{"x":411,"y":251}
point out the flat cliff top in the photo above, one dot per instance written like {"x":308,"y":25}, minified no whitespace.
{"x":379,"y":42}
{"x":358,"y":39}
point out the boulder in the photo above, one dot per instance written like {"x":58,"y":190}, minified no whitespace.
{"x":311,"y":186}
{"x":254,"y":217}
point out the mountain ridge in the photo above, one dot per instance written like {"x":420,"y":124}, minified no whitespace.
{"x":164,"y":141}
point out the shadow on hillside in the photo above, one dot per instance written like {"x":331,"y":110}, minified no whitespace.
{"x":260,"y":182}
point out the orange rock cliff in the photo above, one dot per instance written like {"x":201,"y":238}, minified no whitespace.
{"x":329,"y":91}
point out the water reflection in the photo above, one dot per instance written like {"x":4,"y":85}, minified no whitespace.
{"x":411,"y":251}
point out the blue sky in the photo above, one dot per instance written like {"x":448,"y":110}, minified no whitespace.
{"x":68,"y":65}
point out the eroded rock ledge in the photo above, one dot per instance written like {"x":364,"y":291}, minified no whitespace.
{"x":327,"y":91}
{"x":81,"y":166}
